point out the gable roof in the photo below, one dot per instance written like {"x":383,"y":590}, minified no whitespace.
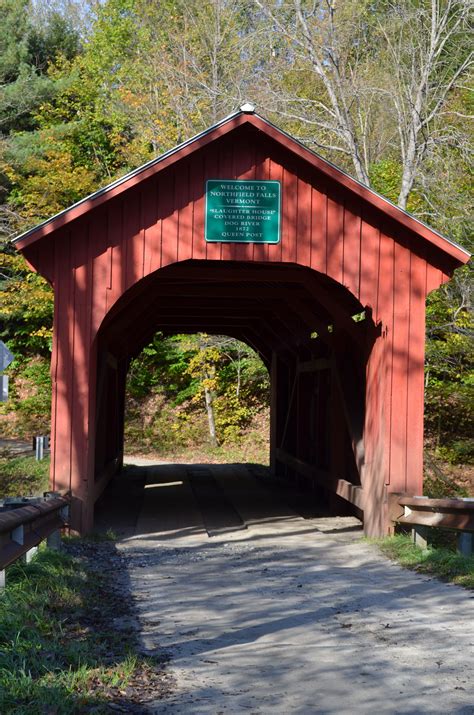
{"x":226,"y":125}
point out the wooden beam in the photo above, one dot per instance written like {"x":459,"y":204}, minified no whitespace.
{"x":353,"y":410}
{"x":352,"y":493}
{"x":314,"y":365}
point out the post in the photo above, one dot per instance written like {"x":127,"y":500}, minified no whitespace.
{"x":53,"y":541}
{"x":30,"y":554}
{"x":17,"y":535}
{"x":420,"y":536}
{"x":465,"y":543}
{"x":39,"y":448}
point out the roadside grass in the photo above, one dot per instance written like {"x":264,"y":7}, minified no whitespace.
{"x":59,"y":650}
{"x":443,"y":563}
{"x":23,"y":476}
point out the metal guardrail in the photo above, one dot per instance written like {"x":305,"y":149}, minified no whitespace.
{"x":22,"y":528}
{"x":422,"y":513}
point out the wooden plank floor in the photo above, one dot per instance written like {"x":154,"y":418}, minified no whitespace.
{"x":182,"y":499}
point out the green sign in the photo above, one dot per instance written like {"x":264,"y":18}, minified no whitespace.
{"x":242,"y":211}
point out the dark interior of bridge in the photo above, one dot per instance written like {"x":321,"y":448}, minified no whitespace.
{"x":311,"y":333}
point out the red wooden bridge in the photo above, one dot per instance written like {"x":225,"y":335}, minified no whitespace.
{"x":335,"y":306}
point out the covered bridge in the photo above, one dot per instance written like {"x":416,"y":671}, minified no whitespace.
{"x":243,"y":231}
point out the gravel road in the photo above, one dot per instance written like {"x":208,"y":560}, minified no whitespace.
{"x":290,"y":615}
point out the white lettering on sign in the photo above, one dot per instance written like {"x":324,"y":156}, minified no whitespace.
{"x":243,"y":211}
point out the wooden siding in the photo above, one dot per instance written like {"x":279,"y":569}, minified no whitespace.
{"x":96,"y":260}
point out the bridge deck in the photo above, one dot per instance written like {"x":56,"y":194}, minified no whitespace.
{"x":279,"y":613}
{"x":179,"y":499}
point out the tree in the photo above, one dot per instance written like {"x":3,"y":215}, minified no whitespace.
{"x":343,"y":64}
{"x":322,"y":52}
{"x":26,"y":308}
{"x":26,"y":51}
{"x":429,"y":52}
{"x":218,"y":372}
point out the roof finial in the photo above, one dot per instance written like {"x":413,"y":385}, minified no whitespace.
{"x":247,"y":107}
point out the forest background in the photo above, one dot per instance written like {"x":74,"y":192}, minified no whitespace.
{"x":89,"y":91}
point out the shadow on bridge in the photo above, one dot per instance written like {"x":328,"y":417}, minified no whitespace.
{"x":175,"y":500}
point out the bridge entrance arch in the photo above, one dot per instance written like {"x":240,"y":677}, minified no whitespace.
{"x":335,"y":307}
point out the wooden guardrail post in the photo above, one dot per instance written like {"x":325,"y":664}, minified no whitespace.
{"x":53,"y":540}
{"x":24,"y":527}
{"x":423,"y":514}
{"x":466,"y":543}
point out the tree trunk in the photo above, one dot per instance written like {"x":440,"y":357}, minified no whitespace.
{"x":239,"y":376}
{"x":210,"y":416}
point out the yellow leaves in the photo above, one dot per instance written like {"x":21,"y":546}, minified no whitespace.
{"x":48,"y":184}
{"x":42,"y":333}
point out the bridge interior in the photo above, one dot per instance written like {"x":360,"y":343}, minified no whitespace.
{"x":299,"y":322}
{"x":174,"y":501}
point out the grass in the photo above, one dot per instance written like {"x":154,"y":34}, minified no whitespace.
{"x":56,"y":655}
{"x":443,"y":563}
{"x":23,"y":476}
{"x":95,"y":537}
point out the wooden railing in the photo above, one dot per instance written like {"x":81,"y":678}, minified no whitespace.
{"x":24,"y":527}
{"x":422,"y":513}
{"x":352,"y":493}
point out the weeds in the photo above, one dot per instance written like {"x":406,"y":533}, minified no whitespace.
{"x":59,"y":650}
{"x":443,"y":563}
{"x":23,"y":476}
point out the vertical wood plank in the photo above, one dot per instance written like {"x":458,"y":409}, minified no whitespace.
{"x":185,"y":218}
{"x":434,"y":278}
{"x":116,"y":243}
{"x":81,"y":338}
{"x":303,"y":237}
{"x":198,"y":194}
{"x":385,"y":315}
{"x":415,"y":387}
{"x":227,"y":170}
{"x":63,"y":365}
{"x":351,"y":247}
{"x":150,"y":224}
{"x":399,"y":406}
{"x":133,"y":238}
{"x":335,"y":237}
{"x":169,"y":222}
{"x":318,"y":229}
{"x":100,"y":258}
{"x":369,"y":263}
{"x":290,"y":206}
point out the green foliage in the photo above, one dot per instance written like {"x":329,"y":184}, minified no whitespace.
{"x":26,"y":308}
{"x":29,"y":400}
{"x":449,"y":404}
{"x":442,"y":563}
{"x":437,"y":484}
{"x":26,"y":51}
{"x":51,"y":659}
{"x":166,"y":386}
{"x":23,"y":476}
{"x":458,"y":452}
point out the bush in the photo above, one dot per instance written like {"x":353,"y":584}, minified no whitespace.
{"x":28,"y":410}
{"x":23,"y":476}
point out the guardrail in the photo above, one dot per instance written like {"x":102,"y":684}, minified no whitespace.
{"x":422,"y":513}
{"x":22,"y":528}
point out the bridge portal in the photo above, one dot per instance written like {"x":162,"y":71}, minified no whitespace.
{"x":324,"y":278}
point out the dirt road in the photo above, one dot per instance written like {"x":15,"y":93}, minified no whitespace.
{"x":280,"y":614}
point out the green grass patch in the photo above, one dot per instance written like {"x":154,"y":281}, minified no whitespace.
{"x":59,"y":650}
{"x":443,"y":563}
{"x":23,"y":476}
